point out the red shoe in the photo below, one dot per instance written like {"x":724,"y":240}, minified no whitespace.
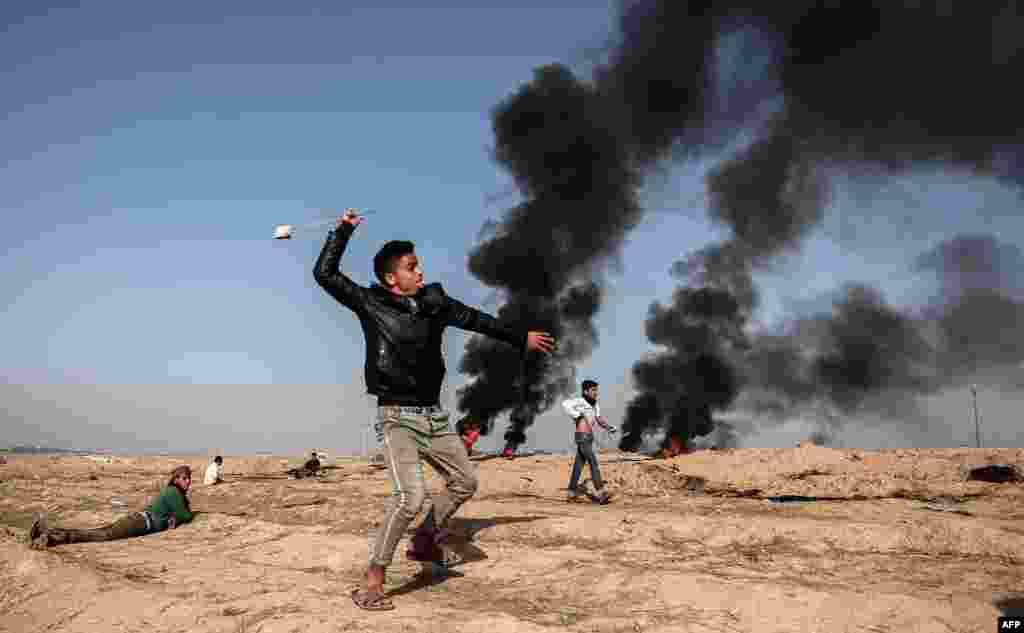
{"x":424,"y":548}
{"x":508,"y":453}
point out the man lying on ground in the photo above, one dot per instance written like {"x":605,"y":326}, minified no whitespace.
{"x":169,"y":510}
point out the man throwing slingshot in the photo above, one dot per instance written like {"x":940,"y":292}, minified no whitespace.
{"x":402,"y":321}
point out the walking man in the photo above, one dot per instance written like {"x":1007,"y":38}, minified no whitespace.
{"x":585,"y":412}
{"x":402,"y":321}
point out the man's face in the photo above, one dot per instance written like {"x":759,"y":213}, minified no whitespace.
{"x":183,"y":481}
{"x":591,"y":393}
{"x":407,"y":277}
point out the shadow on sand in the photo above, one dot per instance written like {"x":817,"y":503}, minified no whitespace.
{"x":460,"y":549}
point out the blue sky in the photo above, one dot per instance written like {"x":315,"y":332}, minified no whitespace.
{"x":148,"y":153}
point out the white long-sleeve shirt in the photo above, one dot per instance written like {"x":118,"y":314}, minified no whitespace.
{"x":214,"y":473}
{"x":578,"y":406}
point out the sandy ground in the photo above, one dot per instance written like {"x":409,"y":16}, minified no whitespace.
{"x":271,"y":554}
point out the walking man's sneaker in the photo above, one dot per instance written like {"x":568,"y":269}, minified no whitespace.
{"x":573,"y":496}
{"x":424,"y":547}
{"x":603,"y":498}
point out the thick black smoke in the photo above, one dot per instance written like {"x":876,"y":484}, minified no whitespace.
{"x":555,"y":137}
{"x":836,"y":86}
{"x":681,"y":386}
{"x":866,"y":356}
{"x":897,"y":85}
{"x":978,"y":309}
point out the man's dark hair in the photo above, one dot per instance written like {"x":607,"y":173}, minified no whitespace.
{"x":589,"y":384}
{"x":180,"y":471}
{"x":218,"y":459}
{"x":387,"y":257}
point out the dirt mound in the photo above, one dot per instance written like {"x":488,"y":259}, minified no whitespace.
{"x":804,"y":539}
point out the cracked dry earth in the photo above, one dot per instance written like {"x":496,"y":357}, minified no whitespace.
{"x":271,"y":554}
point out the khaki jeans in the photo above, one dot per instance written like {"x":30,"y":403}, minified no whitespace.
{"x":409,"y":437}
{"x":128,"y":526}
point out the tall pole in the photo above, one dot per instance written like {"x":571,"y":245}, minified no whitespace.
{"x":977,"y":422}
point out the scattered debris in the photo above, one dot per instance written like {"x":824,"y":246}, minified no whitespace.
{"x":797,"y":499}
{"x":306,"y":502}
{"x":484,"y":457}
{"x":567,"y":615}
{"x":938,"y":507}
{"x":804,"y":474}
{"x":1011,"y":605}
{"x":944,"y":503}
{"x":740,"y":493}
{"x":993,"y":473}
{"x":695,"y":485}
{"x":119,"y":505}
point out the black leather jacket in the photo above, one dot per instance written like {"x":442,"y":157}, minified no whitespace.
{"x":403,"y":334}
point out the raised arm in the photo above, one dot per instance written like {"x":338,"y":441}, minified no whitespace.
{"x":336,"y":283}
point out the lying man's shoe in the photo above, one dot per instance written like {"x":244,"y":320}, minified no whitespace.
{"x":38,"y":533}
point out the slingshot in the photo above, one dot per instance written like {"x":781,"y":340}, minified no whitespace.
{"x":287,"y":231}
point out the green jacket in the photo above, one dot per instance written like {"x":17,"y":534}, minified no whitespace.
{"x":170,"y":501}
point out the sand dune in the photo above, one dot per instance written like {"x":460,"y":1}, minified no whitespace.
{"x":702,"y":542}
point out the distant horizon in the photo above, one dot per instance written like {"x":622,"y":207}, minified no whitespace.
{"x":78,"y":451}
{"x":147,"y":307}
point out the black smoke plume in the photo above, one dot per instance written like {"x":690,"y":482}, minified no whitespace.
{"x":866,"y":356}
{"x":844,"y":88}
{"x":836,"y":86}
{"x":554,"y":136}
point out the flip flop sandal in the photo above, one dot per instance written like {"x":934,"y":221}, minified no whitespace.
{"x":371,"y":600}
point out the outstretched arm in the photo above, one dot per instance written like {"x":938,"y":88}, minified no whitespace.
{"x":336,"y":283}
{"x":604,"y":425}
{"x":600,"y":420}
{"x":464,"y":317}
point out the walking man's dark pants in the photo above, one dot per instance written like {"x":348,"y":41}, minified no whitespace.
{"x":585,"y":454}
